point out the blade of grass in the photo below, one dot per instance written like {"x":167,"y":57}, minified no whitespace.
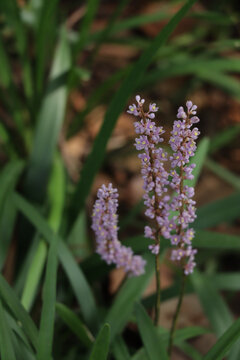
{"x":11,"y":10}
{"x":8,"y":180}
{"x":5,"y":70}
{"x":75,"y":325}
{"x":17,"y":329}
{"x":6,"y":346}
{"x":224,"y":343}
{"x":223,"y":173}
{"x":190,"y":351}
{"x":214,"y":240}
{"x":140,"y":355}
{"x":92,"y":6}
{"x":124,"y":301}
{"x":132,"y":22}
{"x":73,"y":271}
{"x":9,"y":297}
{"x":194,"y":66}
{"x":152,"y":342}
{"x":182,"y":334}
{"x":46,"y":330}
{"x":7,"y":222}
{"x":104,"y":34}
{"x":101,"y":345}
{"x":78,"y":240}
{"x":223,"y":210}
{"x":23,"y":353}
{"x":213,"y":304}
{"x":225,"y":82}
{"x":50,"y":120}
{"x":224,"y":138}
{"x":97,"y":95}
{"x":119,"y":349}
{"x":130,"y":83}
{"x":56,"y":193}
{"x":44,"y":38}
{"x":225,"y":281}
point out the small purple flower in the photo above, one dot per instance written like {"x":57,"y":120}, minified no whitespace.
{"x":154,"y":174}
{"x":104,"y":224}
{"x":183,"y":144}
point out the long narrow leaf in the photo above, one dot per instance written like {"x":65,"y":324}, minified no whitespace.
{"x":119,"y":349}
{"x":124,"y":302}
{"x":8,"y":180}
{"x":45,"y":339}
{"x":10,"y":298}
{"x":213,"y":304}
{"x":92,"y":6}
{"x":6,"y":346}
{"x":214,"y":240}
{"x":101,"y":345}
{"x":50,"y":120}
{"x":76,"y":277}
{"x":222,"y":210}
{"x":75,"y":324}
{"x":224,"y":343}
{"x":45,"y":35}
{"x":56,"y":193}
{"x":152,"y":343}
{"x":224,"y":173}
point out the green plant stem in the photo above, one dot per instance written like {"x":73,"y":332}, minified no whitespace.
{"x":158,"y":286}
{"x":175,"y":318}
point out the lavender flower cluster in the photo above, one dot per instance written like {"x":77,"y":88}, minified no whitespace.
{"x":153,"y":172}
{"x":157,"y":181}
{"x":104,"y":224}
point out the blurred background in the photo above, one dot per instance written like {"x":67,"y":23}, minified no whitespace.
{"x":64,"y":130}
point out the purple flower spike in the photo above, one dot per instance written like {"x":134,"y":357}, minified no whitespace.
{"x":183,"y":144}
{"x":154,"y":175}
{"x":104,"y":224}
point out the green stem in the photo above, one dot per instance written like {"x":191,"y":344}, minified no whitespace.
{"x":175,"y":318}
{"x":158,"y":294}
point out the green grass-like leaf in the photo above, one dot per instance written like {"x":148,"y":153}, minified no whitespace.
{"x":214,"y":240}
{"x":56,"y":193}
{"x":153,"y":345}
{"x":213,"y":304}
{"x":44,"y":37}
{"x":222,"y":210}
{"x":75,"y":324}
{"x":92,"y":6}
{"x":216,"y":310}
{"x":124,"y":302}
{"x":223,"y":173}
{"x":73,"y":271}
{"x":224,"y":343}
{"x":6,"y":346}
{"x":101,"y":345}
{"x":49,"y":124}
{"x":119,"y":349}
{"x":46,"y":330}
{"x":8,"y":295}
{"x":8,"y":180}
{"x":223,"y":138}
